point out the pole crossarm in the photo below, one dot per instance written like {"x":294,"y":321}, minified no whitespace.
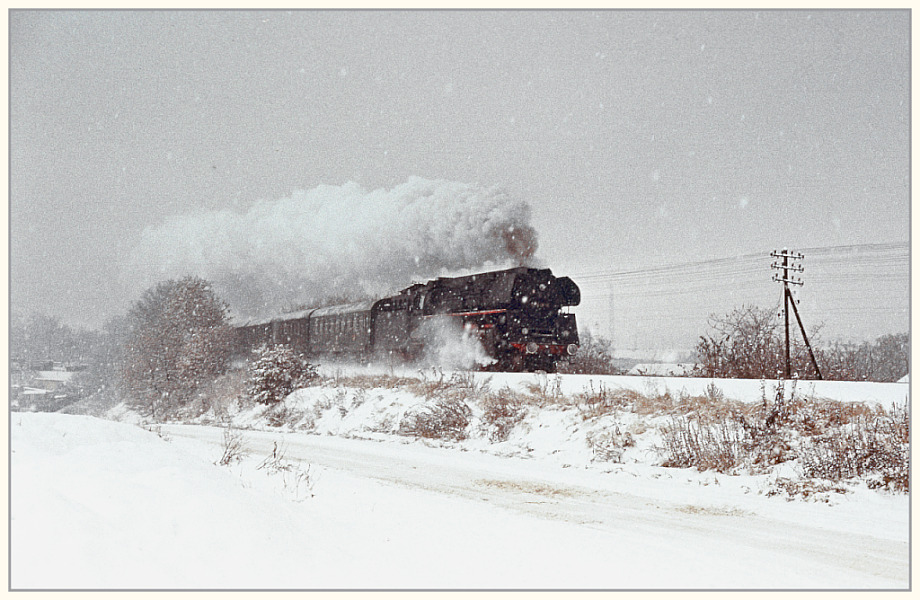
{"x":790,"y":280}
{"x":786,"y":254}
{"x":790,"y":267}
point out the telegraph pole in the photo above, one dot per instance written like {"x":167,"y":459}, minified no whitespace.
{"x":786,"y":267}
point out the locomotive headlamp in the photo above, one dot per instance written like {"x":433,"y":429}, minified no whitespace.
{"x":531,"y":348}
{"x":572,"y":349}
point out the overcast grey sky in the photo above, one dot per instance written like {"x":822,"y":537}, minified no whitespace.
{"x":637,"y":138}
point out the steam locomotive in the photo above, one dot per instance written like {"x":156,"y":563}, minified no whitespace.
{"x":517,"y":315}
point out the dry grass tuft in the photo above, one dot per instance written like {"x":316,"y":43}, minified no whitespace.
{"x":546,"y":391}
{"x":874,"y":447}
{"x":806,"y":490}
{"x":502,"y":410}
{"x":370,"y":382}
{"x":593,"y":403}
{"x":433,"y":384}
{"x":296,"y":479}
{"x":689,"y":443}
{"x":711,"y":407}
{"x":280,"y":414}
{"x":609,"y":444}
{"x":234,"y":448}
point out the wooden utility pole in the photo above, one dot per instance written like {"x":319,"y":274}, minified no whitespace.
{"x":786,"y":266}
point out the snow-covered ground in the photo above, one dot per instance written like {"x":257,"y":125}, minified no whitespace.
{"x":99,"y":504}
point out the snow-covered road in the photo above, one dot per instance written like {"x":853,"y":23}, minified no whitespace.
{"x":629,"y":528}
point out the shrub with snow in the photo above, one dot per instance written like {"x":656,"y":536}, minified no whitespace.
{"x":829,"y":440}
{"x":444,"y":418}
{"x":276,"y":372}
{"x":875,"y":448}
{"x":502,"y":410}
{"x":609,"y":444}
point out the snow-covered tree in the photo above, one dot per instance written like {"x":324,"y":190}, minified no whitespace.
{"x":178,"y":340}
{"x":276,"y":372}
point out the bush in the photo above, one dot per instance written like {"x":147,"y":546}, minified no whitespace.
{"x":502,"y":411}
{"x":748,"y":343}
{"x":745,"y":343}
{"x":444,"y":418}
{"x":885,"y":359}
{"x":831,"y":440}
{"x":875,"y":448}
{"x":276,"y":372}
{"x":689,"y":443}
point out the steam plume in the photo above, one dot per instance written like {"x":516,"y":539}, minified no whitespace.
{"x":451,"y":345}
{"x":339,"y":241}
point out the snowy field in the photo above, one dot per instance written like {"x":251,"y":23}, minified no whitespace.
{"x":98,"y":504}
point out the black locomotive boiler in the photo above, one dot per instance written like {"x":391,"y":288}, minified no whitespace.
{"x":518,"y":315}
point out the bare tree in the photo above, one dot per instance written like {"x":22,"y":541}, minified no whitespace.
{"x":885,"y":359}
{"x":38,"y":337}
{"x":746,"y":344}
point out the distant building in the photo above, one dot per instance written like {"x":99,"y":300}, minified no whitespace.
{"x":40,"y":385}
{"x":52,"y":380}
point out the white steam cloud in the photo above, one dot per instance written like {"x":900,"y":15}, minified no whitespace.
{"x":450,"y":344}
{"x":339,"y":241}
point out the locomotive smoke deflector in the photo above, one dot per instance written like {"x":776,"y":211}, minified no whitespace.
{"x":571,"y":295}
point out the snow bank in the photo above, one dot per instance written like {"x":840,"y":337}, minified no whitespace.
{"x":101,"y":505}
{"x":97,"y":504}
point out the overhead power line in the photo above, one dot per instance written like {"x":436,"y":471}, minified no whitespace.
{"x":853,"y":255}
